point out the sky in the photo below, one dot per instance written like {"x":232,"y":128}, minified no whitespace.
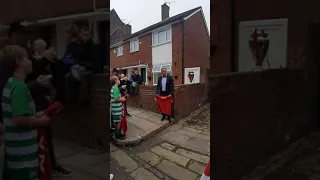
{"x":143,"y":13}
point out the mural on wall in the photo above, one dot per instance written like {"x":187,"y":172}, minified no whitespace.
{"x":262,"y":45}
{"x":259,"y":47}
{"x":191,"y":76}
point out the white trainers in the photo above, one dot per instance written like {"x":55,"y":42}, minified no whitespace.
{"x":111,"y":176}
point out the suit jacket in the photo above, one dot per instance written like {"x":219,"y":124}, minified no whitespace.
{"x":169,"y":85}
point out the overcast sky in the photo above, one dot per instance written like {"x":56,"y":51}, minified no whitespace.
{"x":143,"y":13}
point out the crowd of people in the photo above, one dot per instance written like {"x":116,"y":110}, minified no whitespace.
{"x":31,"y":79}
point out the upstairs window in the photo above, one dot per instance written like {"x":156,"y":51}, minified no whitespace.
{"x":120,"y":51}
{"x":161,"y":37}
{"x":134,"y":45}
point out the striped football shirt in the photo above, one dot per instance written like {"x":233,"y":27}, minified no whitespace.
{"x":116,"y":107}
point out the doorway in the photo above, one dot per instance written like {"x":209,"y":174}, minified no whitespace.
{"x":143,"y":75}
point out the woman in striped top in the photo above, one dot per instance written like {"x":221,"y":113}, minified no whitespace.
{"x":116,"y":105}
{"x":19,"y":116}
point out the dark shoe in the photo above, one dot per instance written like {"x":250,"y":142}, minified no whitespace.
{"x":129,"y":115}
{"x":60,"y":171}
{"x":163,"y":118}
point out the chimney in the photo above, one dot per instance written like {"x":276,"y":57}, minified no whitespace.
{"x":165,"y":11}
{"x":128,"y":29}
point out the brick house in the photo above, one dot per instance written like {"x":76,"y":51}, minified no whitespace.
{"x":296,"y":34}
{"x":118,"y":29}
{"x":50,"y":18}
{"x":173,"y":43}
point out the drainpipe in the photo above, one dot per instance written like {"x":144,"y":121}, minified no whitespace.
{"x":233,"y":36}
{"x":182,"y":50}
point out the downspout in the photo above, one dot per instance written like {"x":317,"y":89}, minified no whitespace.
{"x":233,"y":36}
{"x":182,"y":49}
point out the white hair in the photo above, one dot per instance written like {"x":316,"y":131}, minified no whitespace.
{"x":39,"y":43}
{"x":122,"y":75}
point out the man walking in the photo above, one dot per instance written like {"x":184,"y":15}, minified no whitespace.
{"x":165,"y":87}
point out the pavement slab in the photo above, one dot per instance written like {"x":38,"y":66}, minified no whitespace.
{"x":175,"y":171}
{"x":170,"y":155}
{"x":150,"y":157}
{"x":141,"y":126}
{"x":143,"y":174}
{"x":192,"y":155}
{"x":168,"y":146}
{"x":124,"y":160}
{"x":197,"y":167}
{"x":82,"y":160}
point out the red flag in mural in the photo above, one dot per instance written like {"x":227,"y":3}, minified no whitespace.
{"x":164,"y":104}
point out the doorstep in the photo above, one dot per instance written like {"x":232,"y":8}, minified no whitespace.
{"x":142,"y":125}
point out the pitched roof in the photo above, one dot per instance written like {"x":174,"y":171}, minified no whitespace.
{"x":162,"y":23}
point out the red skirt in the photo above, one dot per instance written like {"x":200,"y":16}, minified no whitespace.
{"x":44,"y":155}
{"x":164,"y":104}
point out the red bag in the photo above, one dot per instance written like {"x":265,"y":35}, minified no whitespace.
{"x":164,"y":104}
{"x":124,"y":125}
{"x":44,"y":155}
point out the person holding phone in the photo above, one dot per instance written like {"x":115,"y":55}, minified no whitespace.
{"x":20,"y":119}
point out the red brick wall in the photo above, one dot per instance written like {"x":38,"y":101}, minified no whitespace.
{"x":187,"y":98}
{"x":255,"y":115}
{"x":177,"y":53}
{"x":197,"y":44}
{"x":131,"y":59}
{"x":37,"y":9}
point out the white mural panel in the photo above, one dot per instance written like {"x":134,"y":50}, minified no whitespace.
{"x":192,"y":75}
{"x":262,"y":45}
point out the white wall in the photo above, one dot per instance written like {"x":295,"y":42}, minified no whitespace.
{"x":277,"y":54}
{"x":196,"y":78}
{"x":162,"y":54}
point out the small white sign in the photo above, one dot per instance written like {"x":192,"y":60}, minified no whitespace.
{"x":192,"y":75}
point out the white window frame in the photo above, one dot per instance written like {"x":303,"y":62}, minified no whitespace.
{"x":155,"y":80}
{"x":135,"y":43}
{"x":156,"y":35}
{"x":119,"y":51}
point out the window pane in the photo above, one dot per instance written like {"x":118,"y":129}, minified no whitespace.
{"x":155,"y":38}
{"x":131,"y":46}
{"x":155,"y":77}
{"x":168,"y":31}
{"x":136,"y":45}
{"x":168,"y":67}
{"x":162,"y":37}
{"x":156,"y":68}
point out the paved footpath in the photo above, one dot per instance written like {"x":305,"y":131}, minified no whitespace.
{"x":301,"y":161}
{"x":179,"y":152}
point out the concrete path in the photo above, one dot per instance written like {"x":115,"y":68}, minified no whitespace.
{"x":141,"y":126}
{"x":179,"y":152}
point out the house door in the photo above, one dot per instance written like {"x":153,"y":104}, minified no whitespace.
{"x":143,"y":74}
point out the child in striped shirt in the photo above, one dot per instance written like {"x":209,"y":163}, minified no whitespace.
{"x":116,"y":106}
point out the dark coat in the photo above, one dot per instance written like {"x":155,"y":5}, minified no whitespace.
{"x":169,"y":86}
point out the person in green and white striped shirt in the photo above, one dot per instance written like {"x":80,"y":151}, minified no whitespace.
{"x":116,"y":105}
{"x":19,"y":116}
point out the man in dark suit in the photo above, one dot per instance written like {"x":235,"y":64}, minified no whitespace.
{"x":165,"y":87}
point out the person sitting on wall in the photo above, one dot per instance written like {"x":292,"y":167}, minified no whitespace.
{"x":136,"y":81}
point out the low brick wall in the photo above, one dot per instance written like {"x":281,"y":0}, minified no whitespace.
{"x":255,"y":115}
{"x":88,"y":126}
{"x":187,"y":98}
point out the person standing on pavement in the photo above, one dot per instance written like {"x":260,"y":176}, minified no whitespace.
{"x":116,"y":106}
{"x":124,"y":83}
{"x":20,"y":119}
{"x":165,"y":87}
{"x":18,"y":36}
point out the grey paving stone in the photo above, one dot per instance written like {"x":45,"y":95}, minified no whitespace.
{"x":143,"y":174}
{"x":150,"y":157}
{"x":195,"y":156}
{"x":170,"y":155}
{"x":81,"y":160}
{"x":196,"y":144}
{"x":100,"y":170}
{"x":113,"y":148}
{"x":78,"y":175}
{"x":142,"y":123}
{"x":62,"y":151}
{"x":193,"y":130}
{"x":124,"y":160}
{"x":168,"y":146}
{"x":197,"y":167}
{"x":175,"y":171}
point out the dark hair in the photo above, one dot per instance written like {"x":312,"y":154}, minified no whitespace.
{"x":73,"y":30}
{"x":113,"y":80}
